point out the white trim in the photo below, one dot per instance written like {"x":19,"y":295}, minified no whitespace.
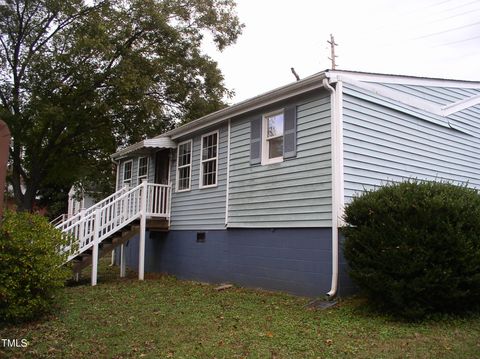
{"x":117,"y":179}
{"x":265,"y":149}
{"x":338,"y":144}
{"x":336,"y":75}
{"x":131,"y":171}
{"x":200,"y":180}
{"x":138,"y":167}
{"x":460,"y":105}
{"x":310,"y":83}
{"x":401,"y":97}
{"x":227,"y":191}
{"x":190,"y":165}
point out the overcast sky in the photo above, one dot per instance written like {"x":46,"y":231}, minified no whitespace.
{"x":431,"y":38}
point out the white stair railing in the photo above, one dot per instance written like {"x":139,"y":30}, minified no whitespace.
{"x":61,"y":218}
{"x":66,"y":223}
{"x":116,"y":212}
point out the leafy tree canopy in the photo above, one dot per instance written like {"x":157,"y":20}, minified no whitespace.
{"x":80,"y":78}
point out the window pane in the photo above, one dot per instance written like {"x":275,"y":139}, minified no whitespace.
{"x":184,"y":152}
{"x":275,"y":147}
{"x":275,"y":125}
{"x":209,"y":172}
{"x":209,"y":145}
{"x":127,"y":171}
{"x":183,"y":178}
{"x":142,"y":166}
{"x":183,"y":166}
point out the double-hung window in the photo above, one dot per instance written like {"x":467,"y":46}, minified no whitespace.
{"x":127,"y":171}
{"x":209,"y":160}
{"x":184,"y":166}
{"x":273,"y":136}
{"x":272,"y":151}
{"x":142,"y":167}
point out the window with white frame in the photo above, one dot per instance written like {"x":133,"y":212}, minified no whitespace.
{"x":142,"y":167}
{"x":272,"y":143}
{"x":127,"y":171}
{"x":184,"y":166}
{"x":209,"y":160}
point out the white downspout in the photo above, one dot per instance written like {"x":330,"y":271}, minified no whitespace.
{"x":337,"y":175}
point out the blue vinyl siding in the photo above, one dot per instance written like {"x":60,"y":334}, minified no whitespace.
{"x":204,"y":208}
{"x":134,"y":181}
{"x":293,"y":193}
{"x":382,"y":144}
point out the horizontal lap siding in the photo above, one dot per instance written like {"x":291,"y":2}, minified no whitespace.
{"x":293,"y":193}
{"x":446,"y":96}
{"x":134,"y":181}
{"x":201,"y":209}
{"x":383,"y":145}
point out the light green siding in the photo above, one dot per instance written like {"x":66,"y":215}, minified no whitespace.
{"x":293,"y":193}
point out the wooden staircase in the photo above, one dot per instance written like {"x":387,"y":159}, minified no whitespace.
{"x":84,"y":259}
{"x":110,"y":223}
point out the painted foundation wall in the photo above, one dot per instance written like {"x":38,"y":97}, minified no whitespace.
{"x":296,"y":261}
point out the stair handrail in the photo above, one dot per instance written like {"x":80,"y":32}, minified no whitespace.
{"x":115,"y":214}
{"x":92,"y":213}
{"x":60,"y":219}
{"x":90,"y":218}
{"x":84,"y":213}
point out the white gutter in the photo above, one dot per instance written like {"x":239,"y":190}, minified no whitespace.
{"x":337,"y":175}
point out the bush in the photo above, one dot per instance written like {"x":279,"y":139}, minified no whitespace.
{"x":414,"y":247}
{"x":31,"y":268}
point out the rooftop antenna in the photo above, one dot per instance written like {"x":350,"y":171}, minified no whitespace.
{"x":332,"y":51}
{"x":295,"y":73}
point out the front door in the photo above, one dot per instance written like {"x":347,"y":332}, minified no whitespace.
{"x":162,"y":166}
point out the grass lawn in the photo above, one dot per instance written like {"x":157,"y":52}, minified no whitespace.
{"x":167,"y":318}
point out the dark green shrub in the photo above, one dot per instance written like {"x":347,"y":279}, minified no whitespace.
{"x":414,"y":247}
{"x":31,"y":269}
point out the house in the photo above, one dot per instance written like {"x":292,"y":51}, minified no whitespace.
{"x":253,"y":194}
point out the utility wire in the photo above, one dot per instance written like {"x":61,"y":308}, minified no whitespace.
{"x":446,"y":31}
{"x":459,"y":41}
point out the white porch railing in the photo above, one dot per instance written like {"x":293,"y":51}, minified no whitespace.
{"x":60,"y":219}
{"x":99,"y":222}
{"x":86,"y":212}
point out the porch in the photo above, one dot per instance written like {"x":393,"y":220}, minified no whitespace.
{"x":110,"y":223}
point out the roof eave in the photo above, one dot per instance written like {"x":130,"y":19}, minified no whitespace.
{"x":307,"y":84}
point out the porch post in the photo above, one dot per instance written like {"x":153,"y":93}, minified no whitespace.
{"x":82,"y":227}
{"x":122,"y":261}
{"x":96,"y":229}
{"x":143,"y":225}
